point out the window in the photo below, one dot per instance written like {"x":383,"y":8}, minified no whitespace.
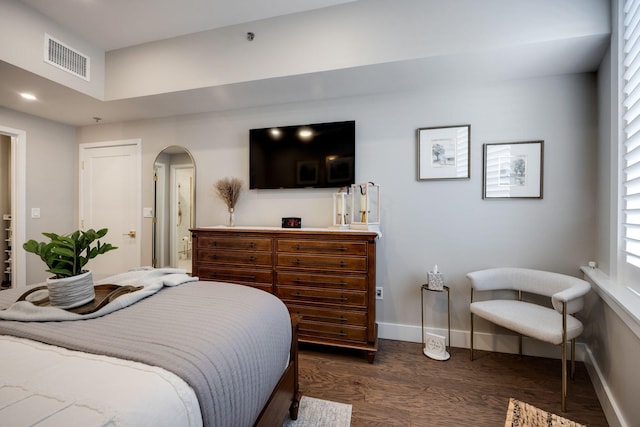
{"x":630,"y":57}
{"x":619,"y":288}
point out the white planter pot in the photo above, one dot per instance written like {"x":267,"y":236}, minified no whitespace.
{"x":70,"y":292}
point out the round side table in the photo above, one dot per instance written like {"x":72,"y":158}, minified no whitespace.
{"x":433,"y":347}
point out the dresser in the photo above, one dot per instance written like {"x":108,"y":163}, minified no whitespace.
{"x":327,"y":277}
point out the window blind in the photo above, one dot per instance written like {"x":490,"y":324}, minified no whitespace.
{"x":631,"y":134}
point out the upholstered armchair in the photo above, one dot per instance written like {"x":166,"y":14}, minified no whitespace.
{"x":553,"y":323}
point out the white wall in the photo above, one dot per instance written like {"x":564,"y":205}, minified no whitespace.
{"x":51,"y":180}
{"x":423,"y":222}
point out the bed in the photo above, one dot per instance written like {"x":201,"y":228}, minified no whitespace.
{"x":190,"y":353}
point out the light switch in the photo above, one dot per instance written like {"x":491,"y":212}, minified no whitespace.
{"x":35,"y":213}
{"x":147,"y":212}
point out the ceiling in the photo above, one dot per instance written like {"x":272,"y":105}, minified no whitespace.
{"x":93,"y":20}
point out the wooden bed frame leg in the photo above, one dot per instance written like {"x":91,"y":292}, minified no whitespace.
{"x":295,"y":406}
{"x":297,"y":396}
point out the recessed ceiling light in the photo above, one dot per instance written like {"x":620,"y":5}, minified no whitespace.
{"x":28,"y":96}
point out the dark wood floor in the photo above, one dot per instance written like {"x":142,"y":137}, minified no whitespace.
{"x":405,"y":388}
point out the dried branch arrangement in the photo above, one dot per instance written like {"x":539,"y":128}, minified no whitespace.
{"x":229,"y":191}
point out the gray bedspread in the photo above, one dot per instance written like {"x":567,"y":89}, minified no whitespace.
{"x":230,"y":343}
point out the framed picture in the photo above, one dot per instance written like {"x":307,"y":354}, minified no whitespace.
{"x":443,"y":152}
{"x":513,"y":170}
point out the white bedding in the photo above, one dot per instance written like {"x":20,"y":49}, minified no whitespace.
{"x":229,"y":343}
{"x":98,"y":391}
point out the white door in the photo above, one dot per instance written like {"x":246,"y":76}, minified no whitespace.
{"x":110,"y":197}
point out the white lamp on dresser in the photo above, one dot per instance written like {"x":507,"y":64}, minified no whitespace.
{"x":365,"y":206}
{"x":341,"y":208}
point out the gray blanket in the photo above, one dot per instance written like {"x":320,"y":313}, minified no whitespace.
{"x":230,"y":343}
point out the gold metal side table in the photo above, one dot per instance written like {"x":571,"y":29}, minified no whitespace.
{"x":433,"y":346}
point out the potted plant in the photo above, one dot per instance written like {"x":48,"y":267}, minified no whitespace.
{"x":66,"y":255}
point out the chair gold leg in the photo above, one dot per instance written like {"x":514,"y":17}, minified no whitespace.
{"x":573,"y":359}
{"x":471,"y":329}
{"x":564,"y":376}
{"x":471,"y":345}
{"x":520,"y":335}
{"x":564,"y":356}
{"x":520,"y":345}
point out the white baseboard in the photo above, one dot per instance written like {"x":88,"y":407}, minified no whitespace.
{"x":482,"y":341}
{"x":607,"y":401}
{"x":509,"y":344}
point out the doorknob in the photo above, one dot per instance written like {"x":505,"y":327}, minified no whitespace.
{"x":131,"y":233}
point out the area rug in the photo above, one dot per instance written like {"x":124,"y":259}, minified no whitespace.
{"x":522,"y":414}
{"x":321,"y":413}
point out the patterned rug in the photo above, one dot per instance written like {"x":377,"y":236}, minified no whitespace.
{"x":522,"y":414}
{"x":321,"y":413}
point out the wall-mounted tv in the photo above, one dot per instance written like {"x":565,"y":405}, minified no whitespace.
{"x":320,"y":155}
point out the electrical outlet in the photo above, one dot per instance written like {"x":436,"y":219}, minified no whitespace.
{"x":378,"y":293}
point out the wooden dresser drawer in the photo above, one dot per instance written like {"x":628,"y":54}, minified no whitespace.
{"x":323,"y":262}
{"x":335,"y":332}
{"x":321,"y":247}
{"x":341,"y":317}
{"x":356,"y":283}
{"x":235,"y":257}
{"x":323,"y":296}
{"x":235,"y":275}
{"x":234,"y":243}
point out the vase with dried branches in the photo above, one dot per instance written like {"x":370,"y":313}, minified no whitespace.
{"x":228,"y":190}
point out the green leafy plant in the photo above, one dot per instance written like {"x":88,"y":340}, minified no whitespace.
{"x":66,"y":255}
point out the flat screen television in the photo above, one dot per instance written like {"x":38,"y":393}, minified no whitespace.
{"x":320,"y":155}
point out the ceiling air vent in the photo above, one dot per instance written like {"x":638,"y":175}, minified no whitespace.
{"x":62,"y":56}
